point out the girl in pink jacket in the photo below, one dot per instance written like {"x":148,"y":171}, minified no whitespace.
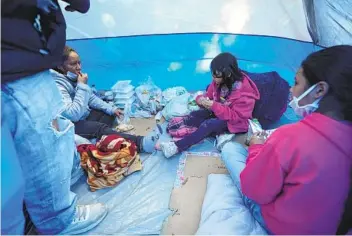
{"x":227,"y":105}
{"x":300,"y":176}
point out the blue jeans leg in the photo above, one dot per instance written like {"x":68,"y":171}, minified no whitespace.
{"x":12,"y":184}
{"x":45,"y":147}
{"x":234,"y":156}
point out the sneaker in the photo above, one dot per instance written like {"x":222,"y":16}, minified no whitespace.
{"x":151,"y":139}
{"x":169,"y":149}
{"x":86,"y":218}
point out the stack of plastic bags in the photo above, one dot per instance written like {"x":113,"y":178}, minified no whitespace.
{"x":148,"y":100}
{"x":123,"y":93}
{"x":149,"y":97}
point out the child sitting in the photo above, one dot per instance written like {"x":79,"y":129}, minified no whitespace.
{"x":227,"y":105}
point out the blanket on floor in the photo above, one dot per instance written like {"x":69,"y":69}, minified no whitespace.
{"x":109,"y":161}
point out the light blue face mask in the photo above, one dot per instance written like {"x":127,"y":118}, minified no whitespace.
{"x":306,"y":109}
{"x":72,"y":76}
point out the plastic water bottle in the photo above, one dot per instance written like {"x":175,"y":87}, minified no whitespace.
{"x":127,"y":113}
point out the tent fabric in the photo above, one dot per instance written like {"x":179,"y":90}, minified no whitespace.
{"x":173,"y":42}
{"x":140,"y":203}
{"x":329,"y":22}
{"x":170,"y":41}
{"x":137,"y":17}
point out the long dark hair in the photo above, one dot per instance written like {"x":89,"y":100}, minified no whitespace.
{"x":225,"y":66}
{"x":334,"y":66}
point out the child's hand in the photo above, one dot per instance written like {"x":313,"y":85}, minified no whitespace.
{"x":207,"y":103}
{"x":258,"y":138}
{"x":200,"y":100}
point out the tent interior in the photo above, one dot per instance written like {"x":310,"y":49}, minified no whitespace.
{"x":172,"y":44}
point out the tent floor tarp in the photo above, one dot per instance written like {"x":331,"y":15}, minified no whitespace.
{"x":140,"y":203}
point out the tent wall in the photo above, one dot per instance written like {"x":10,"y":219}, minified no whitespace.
{"x":173,"y":41}
{"x":183,"y":59}
{"x":329,"y":21}
{"x":111,"y":18}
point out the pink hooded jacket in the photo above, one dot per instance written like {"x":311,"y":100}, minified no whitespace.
{"x":238,"y":106}
{"x":301,"y":176}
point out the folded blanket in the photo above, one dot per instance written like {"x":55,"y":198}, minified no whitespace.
{"x":109,"y":161}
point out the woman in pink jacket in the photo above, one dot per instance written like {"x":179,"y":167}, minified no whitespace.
{"x":300,"y":176}
{"x":226,"y":106}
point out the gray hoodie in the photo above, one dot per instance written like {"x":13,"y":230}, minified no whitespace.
{"x":79,"y":99}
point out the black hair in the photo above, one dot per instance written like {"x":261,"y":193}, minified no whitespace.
{"x":225,"y":66}
{"x":66,"y":53}
{"x":334,"y":66}
{"x":64,"y":57}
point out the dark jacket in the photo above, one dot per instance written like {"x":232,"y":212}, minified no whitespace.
{"x":25,"y":49}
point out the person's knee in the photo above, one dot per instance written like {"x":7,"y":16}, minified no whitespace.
{"x":234,"y":151}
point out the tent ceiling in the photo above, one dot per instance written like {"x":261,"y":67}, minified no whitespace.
{"x":111,"y":18}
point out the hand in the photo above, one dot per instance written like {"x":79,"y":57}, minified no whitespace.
{"x":118,"y":113}
{"x":258,"y":138}
{"x":201,"y":100}
{"x":47,"y":6}
{"x":207,"y":103}
{"x":82,"y":78}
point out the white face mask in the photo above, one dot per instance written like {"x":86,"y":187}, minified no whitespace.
{"x":306,"y":109}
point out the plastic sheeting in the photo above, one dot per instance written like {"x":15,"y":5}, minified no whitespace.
{"x":224,"y":212}
{"x":330,"y":21}
{"x":110,"y":59}
{"x":140,"y":203}
{"x":139,"y":17}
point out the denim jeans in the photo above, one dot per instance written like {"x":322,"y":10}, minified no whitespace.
{"x":234,"y":156}
{"x":44,"y":143}
{"x":12,"y":184}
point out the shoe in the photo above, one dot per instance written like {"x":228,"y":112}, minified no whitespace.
{"x":149,"y":141}
{"x":169,"y":149}
{"x":86,"y":218}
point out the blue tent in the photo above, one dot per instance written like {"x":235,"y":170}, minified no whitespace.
{"x":173,"y":42}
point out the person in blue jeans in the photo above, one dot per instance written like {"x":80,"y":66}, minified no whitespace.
{"x":32,"y":107}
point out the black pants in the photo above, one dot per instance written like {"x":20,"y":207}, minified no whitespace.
{"x":98,"y":124}
{"x":101,"y":117}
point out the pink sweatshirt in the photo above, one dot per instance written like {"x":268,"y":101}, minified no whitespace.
{"x":300,"y":176}
{"x":238,"y":106}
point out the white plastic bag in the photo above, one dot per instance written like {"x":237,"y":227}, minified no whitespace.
{"x":149,"y":96}
{"x":138,"y":112}
{"x":179,"y":106}
{"x":170,"y":93}
{"x":126,"y":114}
